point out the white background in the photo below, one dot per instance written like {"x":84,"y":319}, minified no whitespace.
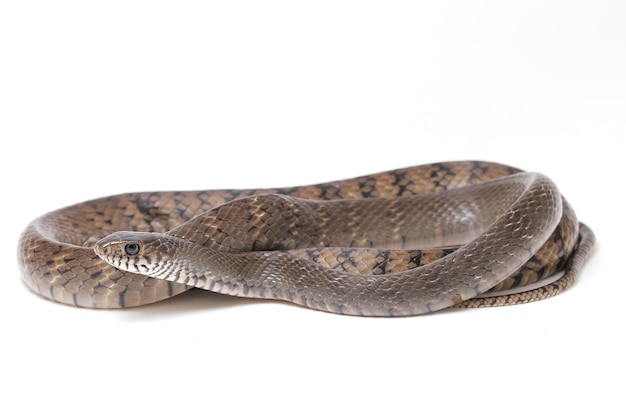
{"x":98,"y":98}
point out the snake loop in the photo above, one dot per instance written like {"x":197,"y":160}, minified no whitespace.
{"x":402,"y":242}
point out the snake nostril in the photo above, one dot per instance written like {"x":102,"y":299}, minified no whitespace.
{"x":103,"y":251}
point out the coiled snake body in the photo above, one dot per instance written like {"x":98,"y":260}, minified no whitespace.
{"x":397,"y":243}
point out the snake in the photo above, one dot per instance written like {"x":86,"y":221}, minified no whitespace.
{"x":397,"y":243}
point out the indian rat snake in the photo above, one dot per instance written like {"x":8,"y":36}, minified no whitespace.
{"x":397,"y":243}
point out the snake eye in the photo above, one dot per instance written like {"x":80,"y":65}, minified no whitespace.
{"x":131,"y":249}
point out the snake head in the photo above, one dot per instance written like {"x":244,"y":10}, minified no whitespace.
{"x":138,"y":252}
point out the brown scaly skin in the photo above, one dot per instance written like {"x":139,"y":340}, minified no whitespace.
{"x":58,"y":261}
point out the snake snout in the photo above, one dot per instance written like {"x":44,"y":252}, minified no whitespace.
{"x":104,"y":250}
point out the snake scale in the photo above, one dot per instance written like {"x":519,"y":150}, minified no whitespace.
{"x":397,"y":243}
